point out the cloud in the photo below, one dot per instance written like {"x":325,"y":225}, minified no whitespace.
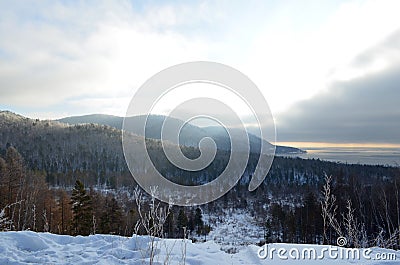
{"x":55,"y":52}
{"x":104,"y":49}
{"x":59,"y":56}
{"x":308,"y":45}
{"x":360,"y":110}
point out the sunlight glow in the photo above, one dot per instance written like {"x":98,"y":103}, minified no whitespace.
{"x":342,"y":145}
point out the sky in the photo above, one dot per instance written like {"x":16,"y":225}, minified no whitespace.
{"x":329,"y":70}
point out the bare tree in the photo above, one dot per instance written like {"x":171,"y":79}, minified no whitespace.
{"x":352,"y":227}
{"x":4,"y":220}
{"x":329,"y":210}
{"x":45,"y":221}
{"x":152,"y":220}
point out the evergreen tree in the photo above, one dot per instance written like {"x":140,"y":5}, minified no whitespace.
{"x":82,"y":209}
{"x":198,"y":221}
{"x":182,"y":221}
{"x":268,"y":231}
{"x":169,"y":225}
{"x":116,"y":216}
{"x":278,"y":217}
{"x":310,"y":214}
{"x":190,"y":224}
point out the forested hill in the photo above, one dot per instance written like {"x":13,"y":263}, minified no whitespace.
{"x":290,"y":196}
{"x":190,"y":135}
{"x":60,"y":148}
{"x":93,"y":153}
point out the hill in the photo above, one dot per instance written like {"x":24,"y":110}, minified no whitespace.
{"x":61,"y":149}
{"x":94,"y":153}
{"x":189,"y":136}
{"x":290,"y":195}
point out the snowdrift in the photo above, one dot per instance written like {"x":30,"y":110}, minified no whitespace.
{"x":44,"y":248}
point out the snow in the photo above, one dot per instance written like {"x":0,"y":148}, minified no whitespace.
{"x":234,"y":229}
{"x":44,"y":248}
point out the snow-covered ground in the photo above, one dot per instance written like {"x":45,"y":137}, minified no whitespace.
{"x":44,"y":248}
{"x":234,"y":230}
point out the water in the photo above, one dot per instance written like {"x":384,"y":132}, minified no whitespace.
{"x":359,"y":155}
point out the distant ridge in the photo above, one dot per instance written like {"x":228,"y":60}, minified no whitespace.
{"x":190,"y":134}
{"x":104,"y":119}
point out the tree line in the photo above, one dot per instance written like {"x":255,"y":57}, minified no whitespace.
{"x":27,"y":202}
{"x":365,"y":214}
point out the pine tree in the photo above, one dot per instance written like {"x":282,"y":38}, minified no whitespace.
{"x":111,"y":219}
{"x":268,"y":231}
{"x":182,"y":221}
{"x":198,"y":221}
{"x":278,"y":217}
{"x":169,"y":225}
{"x":82,"y":209}
{"x":190,"y":224}
{"x":310,"y":215}
{"x":116,"y":216}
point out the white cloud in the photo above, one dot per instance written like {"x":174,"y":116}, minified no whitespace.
{"x":292,"y":60}
{"x":109,"y":54}
{"x":61,"y":53}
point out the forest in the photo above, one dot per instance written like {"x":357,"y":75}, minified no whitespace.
{"x":72,"y":179}
{"x":28,"y":202}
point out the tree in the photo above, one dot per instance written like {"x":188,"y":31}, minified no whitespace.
{"x":198,"y":221}
{"x":66,"y":214}
{"x":169,"y":225}
{"x":82,"y":209}
{"x":4,"y":221}
{"x":111,"y":218}
{"x":329,"y":211}
{"x":268,"y":231}
{"x":181,"y":222}
{"x":310,"y":222}
{"x":15,"y":178}
{"x":278,"y":216}
{"x":3,"y":183}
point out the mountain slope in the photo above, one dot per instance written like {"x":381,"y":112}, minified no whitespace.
{"x":92,"y":152}
{"x":189,"y":136}
{"x":109,"y":120}
{"x":62,"y":149}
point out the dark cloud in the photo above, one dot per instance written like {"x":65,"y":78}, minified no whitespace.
{"x":365,"y":109}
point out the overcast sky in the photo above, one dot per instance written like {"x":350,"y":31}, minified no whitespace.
{"x":330,"y":71}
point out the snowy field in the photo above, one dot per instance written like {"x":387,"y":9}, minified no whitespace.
{"x":44,"y":248}
{"x":234,"y":230}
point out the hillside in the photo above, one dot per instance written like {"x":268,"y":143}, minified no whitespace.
{"x":109,"y":120}
{"x":89,"y":151}
{"x":66,"y":152}
{"x":189,"y":136}
{"x":288,"y":202}
{"x":61,"y":148}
